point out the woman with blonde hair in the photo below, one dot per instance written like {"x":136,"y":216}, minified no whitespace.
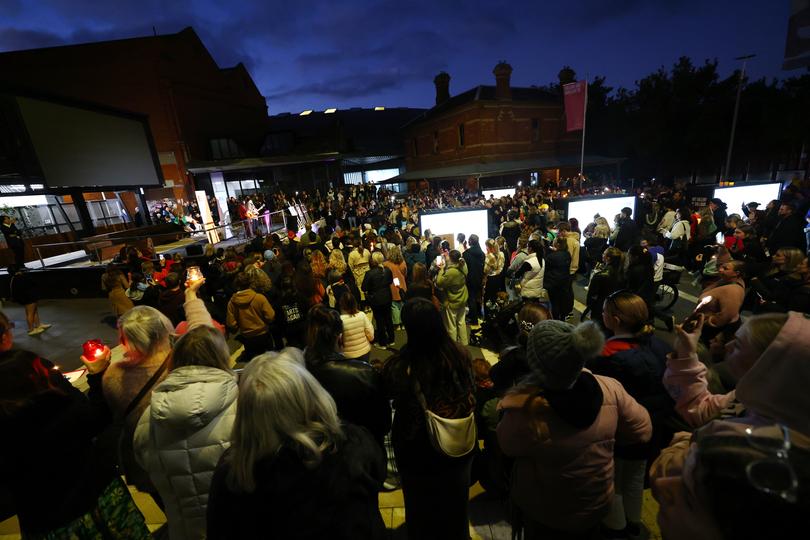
{"x":317,"y":263}
{"x":635,"y":357}
{"x":293,"y":471}
{"x":396,"y":264}
{"x":494,"y":263}
{"x":146,"y":337}
{"x":359,"y":263}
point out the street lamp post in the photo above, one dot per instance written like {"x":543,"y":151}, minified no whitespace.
{"x":727,"y":170}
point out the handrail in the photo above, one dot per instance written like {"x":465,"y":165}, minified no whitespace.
{"x":141,"y":237}
{"x":114,"y":241}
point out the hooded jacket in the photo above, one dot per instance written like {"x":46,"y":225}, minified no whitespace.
{"x":773,"y":390}
{"x":452,"y":279}
{"x":563,"y":476}
{"x":250,"y":313}
{"x":180,"y":438}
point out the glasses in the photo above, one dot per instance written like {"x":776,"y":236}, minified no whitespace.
{"x":774,"y":474}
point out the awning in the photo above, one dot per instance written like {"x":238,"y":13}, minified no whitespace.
{"x":239,"y":164}
{"x":497,"y":168}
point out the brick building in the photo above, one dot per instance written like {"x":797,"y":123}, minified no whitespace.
{"x":499,"y":132}
{"x":196,"y":110}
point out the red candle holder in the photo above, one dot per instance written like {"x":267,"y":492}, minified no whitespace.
{"x":93,"y":349}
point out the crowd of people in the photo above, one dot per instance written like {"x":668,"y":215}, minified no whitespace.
{"x":569,"y":425}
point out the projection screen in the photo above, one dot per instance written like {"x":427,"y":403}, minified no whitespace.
{"x":736,"y":196}
{"x":498,"y":193}
{"x":78,"y":147}
{"x":607,"y":207}
{"x":449,"y":223}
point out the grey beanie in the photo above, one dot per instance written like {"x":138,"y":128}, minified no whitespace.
{"x":557,"y":351}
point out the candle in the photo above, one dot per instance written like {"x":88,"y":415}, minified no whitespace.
{"x":93,"y":349}
{"x":193,"y":273}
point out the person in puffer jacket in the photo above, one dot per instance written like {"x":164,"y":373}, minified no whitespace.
{"x":187,"y":427}
{"x":561,"y":425}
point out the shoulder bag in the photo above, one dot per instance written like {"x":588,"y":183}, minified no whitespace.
{"x":453,"y":437}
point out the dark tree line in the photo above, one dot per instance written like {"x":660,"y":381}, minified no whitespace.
{"x":676,"y":123}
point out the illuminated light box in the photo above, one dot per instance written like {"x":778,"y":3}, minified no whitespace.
{"x":498,"y":193}
{"x":736,"y":196}
{"x":585,"y":208}
{"x":448,"y":223}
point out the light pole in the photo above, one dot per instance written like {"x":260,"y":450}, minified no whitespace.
{"x":745,"y":59}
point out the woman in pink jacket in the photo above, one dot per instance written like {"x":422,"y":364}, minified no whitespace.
{"x":561,"y":426}
{"x":768,"y":356}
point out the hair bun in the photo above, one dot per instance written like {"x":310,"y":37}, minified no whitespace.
{"x":587,"y":339}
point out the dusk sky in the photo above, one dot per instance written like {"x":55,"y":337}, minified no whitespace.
{"x":306,"y":54}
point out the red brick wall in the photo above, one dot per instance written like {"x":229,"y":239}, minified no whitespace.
{"x":172,"y":79}
{"x":493,"y":131}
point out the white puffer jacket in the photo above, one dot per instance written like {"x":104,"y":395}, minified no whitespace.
{"x":180,"y":438}
{"x":531,"y":286}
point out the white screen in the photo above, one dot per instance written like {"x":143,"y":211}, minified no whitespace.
{"x":81,"y":148}
{"x":451,"y":223}
{"x":498,"y":193}
{"x":734,"y":197}
{"x":607,"y":208}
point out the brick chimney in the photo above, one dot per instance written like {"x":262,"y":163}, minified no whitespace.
{"x":442,"y":82}
{"x":503,"y":72}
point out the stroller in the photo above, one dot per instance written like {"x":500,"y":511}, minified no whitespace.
{"x":499,"y":328}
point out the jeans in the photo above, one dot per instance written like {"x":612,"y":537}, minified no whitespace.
{"x":629,"y":484}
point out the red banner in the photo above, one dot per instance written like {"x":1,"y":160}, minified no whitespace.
{"x":575,"y":95}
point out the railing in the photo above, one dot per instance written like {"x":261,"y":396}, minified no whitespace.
{"x":227,"y":231}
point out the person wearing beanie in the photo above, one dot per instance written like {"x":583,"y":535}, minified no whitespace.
{"x":561,"y":425}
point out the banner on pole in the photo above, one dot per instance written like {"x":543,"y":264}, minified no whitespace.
{"x":797,"y":45}
{"x":574,"y":94}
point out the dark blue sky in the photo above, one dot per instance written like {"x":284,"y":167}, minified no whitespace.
{"x":306,"y":54}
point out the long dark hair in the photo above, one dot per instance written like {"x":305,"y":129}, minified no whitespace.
{"x":432,"y":357}
{"x":323,"y":329}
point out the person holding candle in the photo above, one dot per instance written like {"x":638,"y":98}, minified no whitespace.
{"x":38,"y":407}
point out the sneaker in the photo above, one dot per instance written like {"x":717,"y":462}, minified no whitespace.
{"x":45,"y":326}
{"x":36,"y":331}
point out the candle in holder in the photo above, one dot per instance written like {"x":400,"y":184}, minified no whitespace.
{"x":93,"y":349}
{"x":193,"y":273}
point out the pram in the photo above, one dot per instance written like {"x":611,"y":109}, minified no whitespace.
{"x":499,"y":327}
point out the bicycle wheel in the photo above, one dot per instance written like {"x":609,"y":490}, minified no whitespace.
{"x":666,"y":296}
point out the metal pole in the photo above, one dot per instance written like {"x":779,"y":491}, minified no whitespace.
{"x":726,"y":171}
{"x":584,"y":123}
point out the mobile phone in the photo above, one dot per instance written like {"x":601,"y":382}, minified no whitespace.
{"x":161,"y":257}
{"x":396,"y":281}
{"x":438,"y":260}
{"x":690,"y":323}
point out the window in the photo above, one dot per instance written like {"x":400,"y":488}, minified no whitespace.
{"x":435,"y":142}
{"x":461,"y":134}
{"x":225,"y":148}
{"x":535,"y":130}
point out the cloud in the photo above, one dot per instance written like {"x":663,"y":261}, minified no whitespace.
{"x":12,"y":39}
{"x":345,"y":86}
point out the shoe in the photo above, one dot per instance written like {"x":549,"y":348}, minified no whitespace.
{"x":45,"y":326}
{"x":36,"y":331}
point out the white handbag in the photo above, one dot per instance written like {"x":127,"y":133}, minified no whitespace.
{"x":453,"y":437}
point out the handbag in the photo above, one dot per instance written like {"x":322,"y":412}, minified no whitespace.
{"x":453,"y":437}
